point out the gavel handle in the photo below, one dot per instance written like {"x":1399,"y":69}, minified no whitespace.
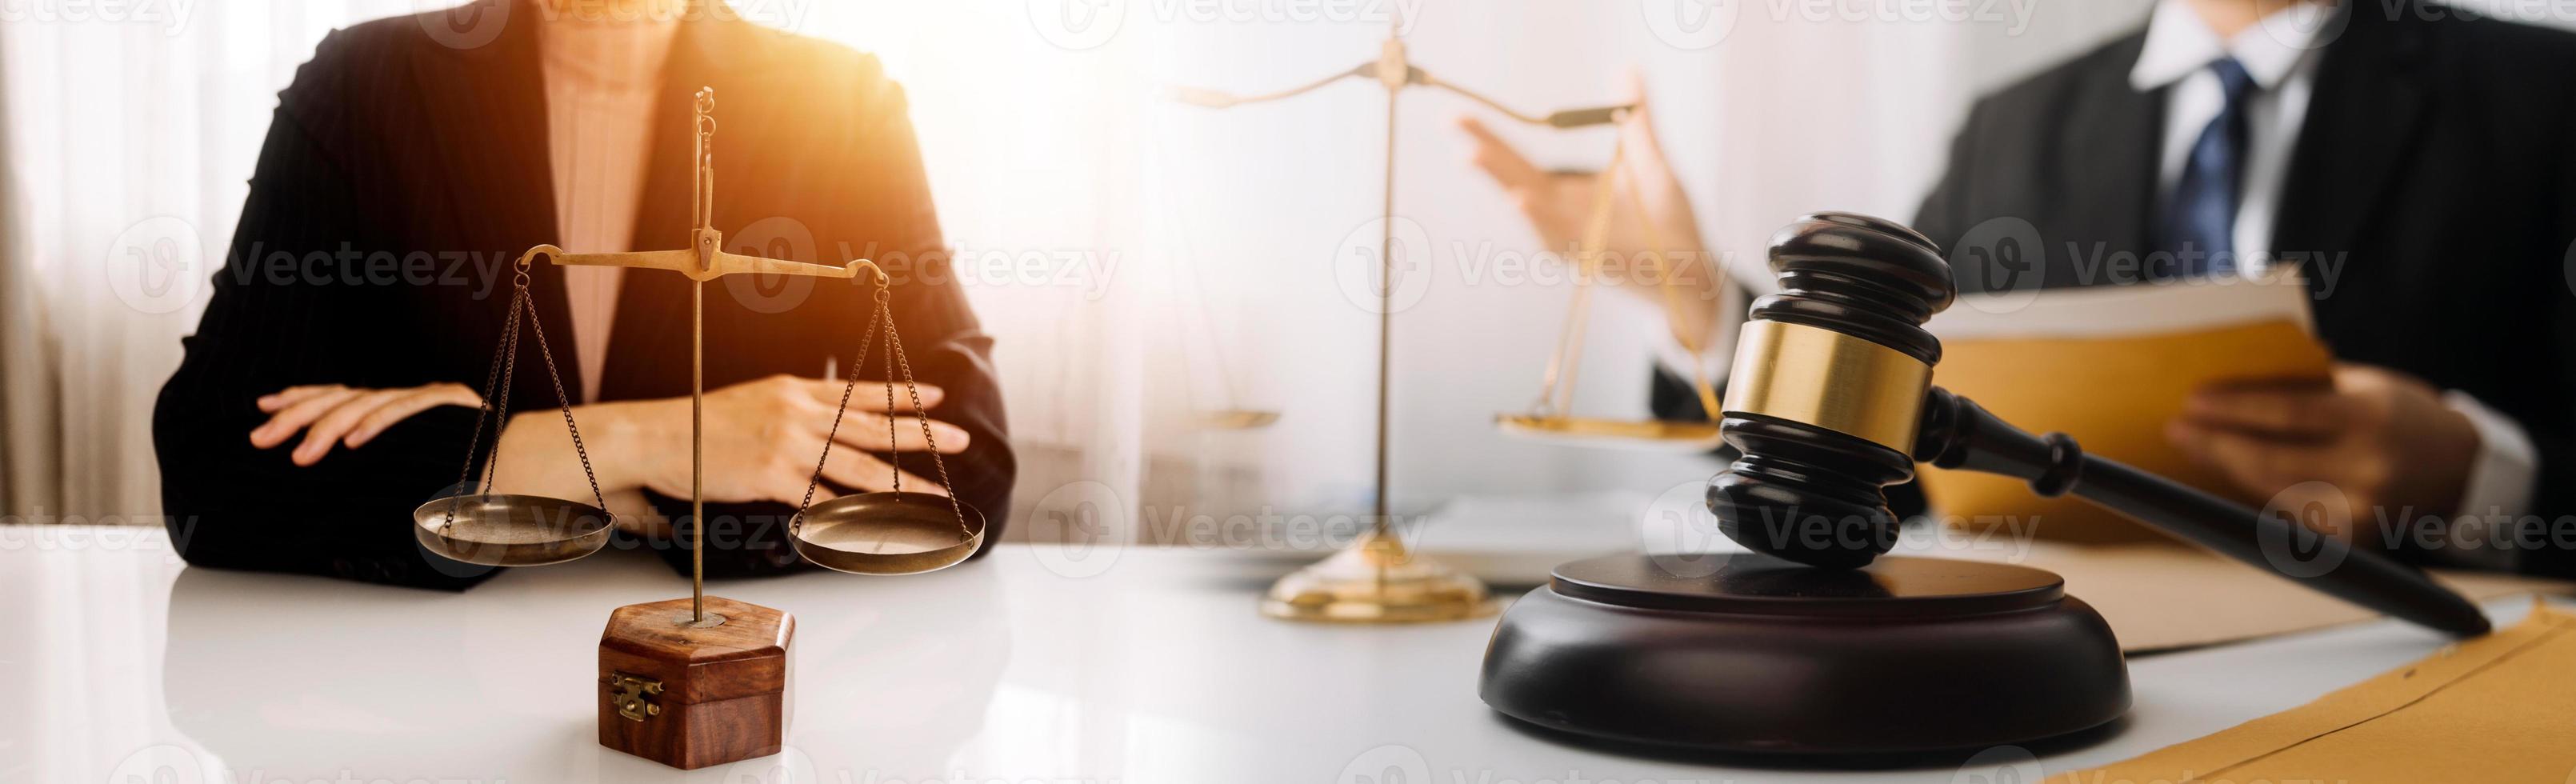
{"x":1958,"y":433}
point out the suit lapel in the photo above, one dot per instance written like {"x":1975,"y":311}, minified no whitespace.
{"x":2367,"y":107}
{"x":2106,"y":168}
{"x":653,"y":307}
{"x":487,"y":117}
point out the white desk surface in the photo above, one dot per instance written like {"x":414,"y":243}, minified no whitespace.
{"x":1038,"y":663}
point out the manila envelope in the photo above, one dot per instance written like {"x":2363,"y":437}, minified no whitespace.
{"x":2497,"y":708}
{"x":2114,"y":394}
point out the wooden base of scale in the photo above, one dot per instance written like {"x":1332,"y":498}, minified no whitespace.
{"x":690,"y":694}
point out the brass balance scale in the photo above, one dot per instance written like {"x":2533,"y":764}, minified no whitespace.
{"x":700,"y":684}
{"x":1377,"y":579}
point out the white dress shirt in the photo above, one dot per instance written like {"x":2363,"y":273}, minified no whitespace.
{"x":2179,"y":49}
{"x":2282,"y":58}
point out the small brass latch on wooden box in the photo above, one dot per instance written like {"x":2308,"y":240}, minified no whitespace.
{"x":629,"y":693}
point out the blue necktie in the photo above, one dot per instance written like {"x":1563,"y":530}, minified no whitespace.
{"x":2200,"y":221}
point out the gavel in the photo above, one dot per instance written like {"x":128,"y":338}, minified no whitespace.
{"x":1831,"y":400}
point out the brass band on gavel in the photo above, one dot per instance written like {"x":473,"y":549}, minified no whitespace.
{"x":1820,"y":377}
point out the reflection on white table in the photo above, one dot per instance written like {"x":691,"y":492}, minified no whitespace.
{"x":1038,"y":663}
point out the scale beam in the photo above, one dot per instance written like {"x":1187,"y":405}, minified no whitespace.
{"x":1392,"y":71}
{"x":721,"y":263}
{"x":702,"y":261}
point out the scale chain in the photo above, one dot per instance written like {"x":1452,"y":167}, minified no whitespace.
{"x":856,"y":363}
{"x":509,"y":377}
{"x":894,"y":454}
{"x":496,"y":394}
{"x":898,"y":365}
{"x":565,"y":402}
{"x":894,"y":347}
{"x":482,"y":410}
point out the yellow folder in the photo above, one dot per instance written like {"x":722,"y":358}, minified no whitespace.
{"x":2498,"y":708}
{"x":2110,"y":366}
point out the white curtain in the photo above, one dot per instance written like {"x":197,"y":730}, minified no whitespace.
{"x":1140,"y":262}
{"x":131,"y":133}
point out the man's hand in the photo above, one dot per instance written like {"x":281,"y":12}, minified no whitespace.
{"x":1649,"y":212}
{"x":2383,"y":438}
{"x":350,"y":416}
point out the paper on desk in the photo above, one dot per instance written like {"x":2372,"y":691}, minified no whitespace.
{"x":2110,"y":365}
{"x":2161,"y":597}
{"x":2497,"y":708}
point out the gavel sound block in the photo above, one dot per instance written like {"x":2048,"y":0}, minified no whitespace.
{"x":692,"y":694}
{"x":1813,"y":643}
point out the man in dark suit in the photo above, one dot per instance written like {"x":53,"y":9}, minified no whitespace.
{"x":408,"y":166}
{"x":2413,"y":161}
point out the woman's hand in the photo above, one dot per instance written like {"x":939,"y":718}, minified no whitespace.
{"x":762,"y":438}
{"x":349,"y":416}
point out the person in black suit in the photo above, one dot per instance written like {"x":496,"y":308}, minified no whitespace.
{"x":2411,"y":159}
{"x":406,"y":169}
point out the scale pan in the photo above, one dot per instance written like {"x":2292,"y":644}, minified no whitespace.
{"x":1613,"y":433}
{"x":1237,"y":419}
{"x":511,"y":530}
{"x":888,"y":533}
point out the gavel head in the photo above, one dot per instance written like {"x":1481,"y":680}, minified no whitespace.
{"x":1826,"y":395}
